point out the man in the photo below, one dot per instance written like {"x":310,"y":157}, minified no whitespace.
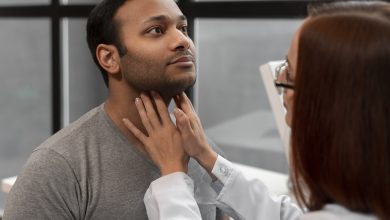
{"x":95,"y":168}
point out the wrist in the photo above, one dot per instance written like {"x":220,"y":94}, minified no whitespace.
{"x":207,"y":159}
{"x":173,"y":169}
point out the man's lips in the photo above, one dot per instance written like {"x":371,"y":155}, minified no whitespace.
{"x":182,"y":59}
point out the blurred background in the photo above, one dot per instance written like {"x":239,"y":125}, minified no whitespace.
{"x":48,"y":78}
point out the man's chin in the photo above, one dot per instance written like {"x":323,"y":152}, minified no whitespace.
{"x":174,"y":90}
{"x":177,"y":91}
{"x":185,"y":82}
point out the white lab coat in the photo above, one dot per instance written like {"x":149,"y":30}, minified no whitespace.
{"x":172,"y":197}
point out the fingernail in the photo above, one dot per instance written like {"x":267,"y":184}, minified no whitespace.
{"x":137,"y":99}
{"x":145,"y":96}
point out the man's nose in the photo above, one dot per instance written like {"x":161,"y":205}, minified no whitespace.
{"x":180,"y":41}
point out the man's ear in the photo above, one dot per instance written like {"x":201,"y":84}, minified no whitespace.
{"x":108,"y":58}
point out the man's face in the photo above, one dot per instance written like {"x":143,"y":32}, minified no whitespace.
{"x":160,"y":55}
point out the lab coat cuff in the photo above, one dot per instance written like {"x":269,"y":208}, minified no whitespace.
{"x":169,"y":192}
{"x":172,"y":182}
{"x":223,"y":169}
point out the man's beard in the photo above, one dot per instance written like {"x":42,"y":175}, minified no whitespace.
{"x":147,"y":75}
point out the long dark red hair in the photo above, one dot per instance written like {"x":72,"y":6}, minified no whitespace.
{"x":341,"y":116}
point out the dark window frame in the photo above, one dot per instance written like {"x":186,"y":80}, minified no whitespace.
{"x":192,"y":9}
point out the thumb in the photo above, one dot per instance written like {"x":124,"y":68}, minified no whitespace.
{"x":182,"y":122}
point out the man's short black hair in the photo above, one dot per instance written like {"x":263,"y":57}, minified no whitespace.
{"x":103,"y":29}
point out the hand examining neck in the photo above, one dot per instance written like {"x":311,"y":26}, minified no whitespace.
{"x":120,"y":104}
{"x":194,"y":138}
{"x":162,"y":140}
{"x":168,"y":145}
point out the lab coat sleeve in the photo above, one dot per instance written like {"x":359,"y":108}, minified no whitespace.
{"x":172,"y":197}
{"x":244,"y":197}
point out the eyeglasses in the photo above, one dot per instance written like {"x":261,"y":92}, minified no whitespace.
{"x":282,"y":86}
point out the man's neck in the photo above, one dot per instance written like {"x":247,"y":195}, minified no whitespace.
{"x":118,"y":107}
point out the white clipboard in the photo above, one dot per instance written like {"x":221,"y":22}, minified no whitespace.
{"x":267,"y":72}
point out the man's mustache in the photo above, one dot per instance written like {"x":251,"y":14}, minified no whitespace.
{"x":181,"y":55}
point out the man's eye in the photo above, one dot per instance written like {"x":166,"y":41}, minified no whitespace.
{"x":184,"y":29}
{"x":156,"y":30}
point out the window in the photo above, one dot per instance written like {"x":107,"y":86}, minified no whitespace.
{"x":83,"y":84}
{"x":25,"y":119}
{"x":230,"y":95}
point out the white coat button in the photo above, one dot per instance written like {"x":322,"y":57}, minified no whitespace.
{"x":224,"y":170}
